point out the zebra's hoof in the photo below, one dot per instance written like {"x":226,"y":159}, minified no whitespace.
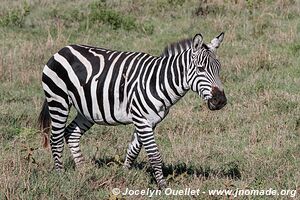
{"x":162,"y":184}
{"x":126,"y":166}
{"x":58,"y":169}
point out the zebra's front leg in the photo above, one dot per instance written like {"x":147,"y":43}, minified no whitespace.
{"x":148,"y":141}
{"x":146,"y":135}
{"x":74,"y":131}
{"x":133,"y":150}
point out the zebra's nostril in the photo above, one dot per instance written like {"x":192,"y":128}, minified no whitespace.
{"x":217,"y":102}
{"x":214,"y":100}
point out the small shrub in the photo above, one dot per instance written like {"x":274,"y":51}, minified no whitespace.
{"x":148,"y":28}
{"x":295,"y":48}
{"x":231,"y":170}
{"x":101,"y":13}
{"x":205,"y":9}
{"x":176,"y":2}
{"x":15,"y":17}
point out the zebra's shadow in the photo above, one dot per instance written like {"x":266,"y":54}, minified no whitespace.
{"x":174,"y":170}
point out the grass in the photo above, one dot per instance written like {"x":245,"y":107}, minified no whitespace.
{"x":253,"y":143}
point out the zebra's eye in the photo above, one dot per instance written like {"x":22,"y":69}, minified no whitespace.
{"x":199,"y":70}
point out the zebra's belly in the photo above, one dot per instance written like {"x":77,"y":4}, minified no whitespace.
{"x":119,"y":118}
{"x":108,"y":114}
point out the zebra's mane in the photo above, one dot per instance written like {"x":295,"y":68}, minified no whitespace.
{"x":177,"y":47}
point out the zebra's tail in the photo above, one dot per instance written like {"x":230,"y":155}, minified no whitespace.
{"x":44,"y":123}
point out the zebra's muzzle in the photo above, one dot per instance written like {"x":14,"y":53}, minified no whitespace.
{"x":218,"y":100}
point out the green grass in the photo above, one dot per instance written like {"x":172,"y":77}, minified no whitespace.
{"x":253,"y":143}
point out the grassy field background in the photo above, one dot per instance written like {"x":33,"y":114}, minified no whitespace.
{"x":253,"y":143}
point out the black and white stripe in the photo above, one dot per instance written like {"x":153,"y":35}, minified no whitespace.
{"x":114,"y":87}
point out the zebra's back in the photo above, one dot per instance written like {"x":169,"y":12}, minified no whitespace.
{"x":87,"y":76}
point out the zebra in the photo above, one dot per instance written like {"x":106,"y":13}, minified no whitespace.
{"x":115,"y":87}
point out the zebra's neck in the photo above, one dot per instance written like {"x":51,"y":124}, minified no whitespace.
{"x":168,"y":77}
{"x":178,"y":66}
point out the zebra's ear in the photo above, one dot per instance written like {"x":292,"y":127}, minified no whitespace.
{"x":215,"y":43}
{"x":197,"y":42}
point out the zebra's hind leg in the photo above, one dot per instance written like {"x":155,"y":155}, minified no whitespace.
{"x":73,"y":133}
{"x":59,"y":117}
{"x":133,"y":150}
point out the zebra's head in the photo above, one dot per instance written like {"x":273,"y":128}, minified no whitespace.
{"x":203,"y":74}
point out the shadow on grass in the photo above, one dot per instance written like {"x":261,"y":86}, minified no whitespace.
{"x":229,"y":170}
